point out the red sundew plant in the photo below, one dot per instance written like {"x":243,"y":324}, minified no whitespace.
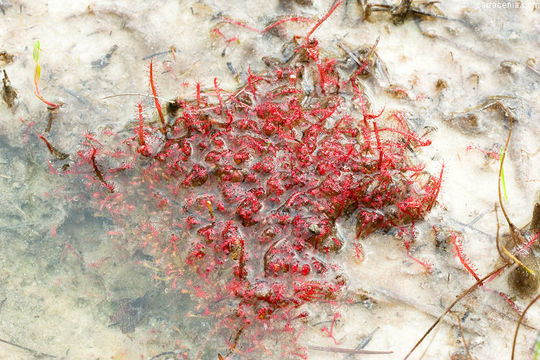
{"x":463,"y":258}
{"x":236,"y":195}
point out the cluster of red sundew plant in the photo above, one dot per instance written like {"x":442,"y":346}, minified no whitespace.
{"x":237,"y":195}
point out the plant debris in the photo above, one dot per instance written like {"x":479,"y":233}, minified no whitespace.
{"x":130,"y":313}
{"x":105,"y":60}
{"x":6,"y":58}
{"x":9,"y":94}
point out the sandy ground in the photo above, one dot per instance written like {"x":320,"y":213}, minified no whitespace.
{"x":63,"y":274}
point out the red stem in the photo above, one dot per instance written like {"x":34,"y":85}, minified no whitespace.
{"x":322,"y":20}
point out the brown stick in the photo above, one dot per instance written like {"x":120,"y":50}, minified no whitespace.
{"x":347,"y":351}
{"x":458,"y":299}
{"x":36,"y":353}
{"x":519,"y":324}
{"x":463,"y":337}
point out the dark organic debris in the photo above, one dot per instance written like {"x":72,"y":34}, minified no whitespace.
{"x":59,"y":155}
{"x":468,"y":123}
{"x":535,"y":222}
{"x":404,"y":10}
{"x":5,"y":57}
{"x":474,"y":120}
{"x":441,"y":84}
{"x":9,"y":94}
{"x":523,"y":283}
{"x":130,"y":313}
{"x":287,"y":4}
{"x":105,"y":60}
{"x":4,"y":5}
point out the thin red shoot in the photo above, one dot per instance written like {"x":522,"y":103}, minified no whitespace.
{"x":524,"y":248}
{"x":47,"y":143}
{"x":98,"y":172}
{"x":156,"y":101}
{"x":462,"y":257}
{"x":241,"y":24}
{"x":379,"y":147}
{"x":279,"y":22}
{"x":51,"y":105}
{"x":424,"y":264}
{"x":319,"y":23}
{"x":142,"y":144}
{"x":331,"y":331}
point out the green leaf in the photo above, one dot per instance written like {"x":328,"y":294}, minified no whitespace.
{"x":537,"y":348}
{"x":36,"y":51}
{"x":37,"y":73}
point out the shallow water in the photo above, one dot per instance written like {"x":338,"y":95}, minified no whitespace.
{"x":65,"y":272}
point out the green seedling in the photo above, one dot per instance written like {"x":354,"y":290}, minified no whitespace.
{"x":37,"y":74}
